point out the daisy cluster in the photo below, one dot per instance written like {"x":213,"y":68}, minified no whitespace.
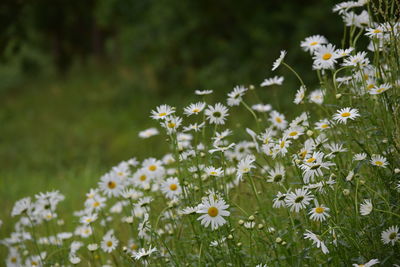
{"x":316,"y":187}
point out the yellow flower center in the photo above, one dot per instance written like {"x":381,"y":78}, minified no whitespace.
{"x":345,"y":114}
{"x":111,"y":184}
{"x":324,"y":126}
{"x":109,"y":243}
{"x":370,"y":86}
{"x":96,"y":204}
{"x":278,"y":120}
{"x":134,"y":247}
{"x":212,"y":211}
{"x":152,"y":168}
{"x":173,"y":187}
{"x":311,"y":160}
{"x":380,"y":90}
{"x":13,"y":259}
{"x":162,"y":114}
{"x":34,"y":263}
{"x":142,"y":178}
{"x":377,"y":31}
{"x":293,"y":133}
{"x":171,"y":125}
{"x":319,"y":210}
{"x":213,"y":173}
{"x":303,"y":154}
{"x":313,"y":43}
{"x":379,"y":163}
{"x":120,"y":173}
{"x":327,"y":56}
{"x":196,"y":110}
{"x":282,"y":145}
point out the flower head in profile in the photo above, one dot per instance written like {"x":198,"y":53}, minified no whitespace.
{"x":279,"y":60}
{"x":148,"y":133}
{"x":161,"y":112}
{"x":276,"y":80}
{"x":214,"y":210}
{"x":313,"y":42}
{"x":366,"y":207}
{"x":379,"y":161}
{"x":244,"y":166}
{"x":316,"y":241}
{"x":367,"y":264}
{"x":143,"y":253}
{"x":203,"y":92}
{"x":344,"y":114}
{"x":300,"y":94}
{"x":194,"y":109}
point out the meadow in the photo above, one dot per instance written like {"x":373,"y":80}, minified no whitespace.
{"x":251,"y":175}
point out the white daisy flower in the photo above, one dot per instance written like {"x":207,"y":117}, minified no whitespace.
{"x":141,"y":179}
{"x":319,"y":212}
{"x":21,"y":206}
{"x":325,"y":57}
{"x":360,"y":156}
{"x":212,"y":171}
{"x":162,"y":112}
{"x":194,"y":109}
{"x":390,"y":235}
{"x":217,"y":114}
{"x":235,"y":97}
{"x":379,"y":161}
{"x":109,"y":242}
{"x":171,"y":188}
{"x":276,"y":80}
{"x":148,"y":133}
{"x":203,"y":92}
{"x":279,"y":60}
{"x":377,"y":90}
{"x":313,"y":165}
{"x":316,"y":241}
{"x":323,"y":124}
{"x":111,"y":185}
{"x":366,"y":207}
{"x":88,"y":219}
{"x":313,"y":42}
{"x":143,"y":253}
{"x":278,"y":120}
{"x":261,"y":107}
{"x":153,"y":167}
{"x":279,"y":200}
{"x":367,"y":264}
{"x":359,"y":59}
{"x":294,"y":132}
{"x":317,"y":96}
{"x":300,"y":94}
{"x":244,"y":166}
{"x":299,"y":199}
{"x":171,"y":123}
{"x":213,"y":210}
{"x":277,"y":174}
{"x":344,"y":52}
{"x":342,"y":115}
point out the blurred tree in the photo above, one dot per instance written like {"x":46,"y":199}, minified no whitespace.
{"x":169,"y":43}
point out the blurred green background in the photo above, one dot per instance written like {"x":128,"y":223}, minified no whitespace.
{"x":79,"y":78}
